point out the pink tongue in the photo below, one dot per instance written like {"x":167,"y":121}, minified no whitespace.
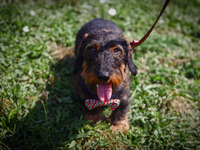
{"x":104,"y":92}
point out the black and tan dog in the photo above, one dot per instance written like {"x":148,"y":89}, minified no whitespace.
{"x":103,"y":62}
{"x":104,"y":58}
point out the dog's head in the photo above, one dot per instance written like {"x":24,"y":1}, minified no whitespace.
{"x":102,"y":60}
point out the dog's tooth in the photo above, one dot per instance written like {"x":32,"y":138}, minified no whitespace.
{"x":97,"y":85}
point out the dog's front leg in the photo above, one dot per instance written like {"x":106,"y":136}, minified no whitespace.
{"x":118,"y":118}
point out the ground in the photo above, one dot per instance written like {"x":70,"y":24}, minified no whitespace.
{"x":37,"y":100}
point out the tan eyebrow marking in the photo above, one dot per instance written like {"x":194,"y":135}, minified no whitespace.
{"x":94,"y":44}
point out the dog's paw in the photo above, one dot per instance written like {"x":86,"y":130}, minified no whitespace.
{"x":122,"y":125}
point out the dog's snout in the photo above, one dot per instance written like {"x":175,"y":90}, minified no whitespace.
{"x":103,"y":76}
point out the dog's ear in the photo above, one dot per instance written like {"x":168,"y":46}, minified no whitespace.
{"x":131,"y":64}
{"x":78,"y":63}
{"x":79,"y":59}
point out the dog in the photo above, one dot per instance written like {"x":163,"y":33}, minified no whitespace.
{"x":104,"y":58}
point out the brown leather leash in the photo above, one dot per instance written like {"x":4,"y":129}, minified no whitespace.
{"x":137,"y":43}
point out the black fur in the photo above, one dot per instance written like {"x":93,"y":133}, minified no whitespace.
{"x":103,"y":52}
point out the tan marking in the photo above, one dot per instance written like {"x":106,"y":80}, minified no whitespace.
{"x":123,"y":36}
{"x":85,"y":35}
{"x":122,"y":125}
{"x":84,"y":68}
{"x":115,"y":46}
{"x":118,"y":77}
{"x":90,"y":77}
{"x":95,"y":45}
{"x":89,"y":74}
{"x":123,"y":70}
{"x":115,"y":80}
{"x":106,"y":30}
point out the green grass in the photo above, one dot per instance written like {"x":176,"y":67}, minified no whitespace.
{"x":38,"y":108}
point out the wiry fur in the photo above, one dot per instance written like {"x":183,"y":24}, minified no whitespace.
{"x":99,"y":61}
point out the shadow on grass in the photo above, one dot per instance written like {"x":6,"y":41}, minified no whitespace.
{"x":55,"y":118}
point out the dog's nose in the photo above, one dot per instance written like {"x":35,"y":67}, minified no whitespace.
{"x":103,"y":76}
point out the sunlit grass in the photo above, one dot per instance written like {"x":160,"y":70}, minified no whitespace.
{"x":38,"y":108}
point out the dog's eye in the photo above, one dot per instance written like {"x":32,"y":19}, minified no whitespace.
{"x":116,"y":51}
{"x":92,"y":49}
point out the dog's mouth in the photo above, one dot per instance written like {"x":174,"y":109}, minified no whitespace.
{"x":104,"y":91}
